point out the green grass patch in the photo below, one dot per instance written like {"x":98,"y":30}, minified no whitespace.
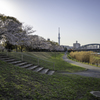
{"x":61,"y":65}
{"x":21,"y":84}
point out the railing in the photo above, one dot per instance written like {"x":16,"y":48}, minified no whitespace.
{"x":30,"y":59}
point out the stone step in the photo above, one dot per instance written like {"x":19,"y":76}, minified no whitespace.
{"x":5,"y":58}
{"x":10,"y":60}
{"x":32,"y":67}
{"x":44,"y":71}
{"x":15,"y":62}
{"x":50,"y":72}
{"x":38,"y":69}
{"x":28,"y":65}
{"x":20,"y":64}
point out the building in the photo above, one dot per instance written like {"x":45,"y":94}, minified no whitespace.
{"x":76,"y":45}
{"x":68,"y":47}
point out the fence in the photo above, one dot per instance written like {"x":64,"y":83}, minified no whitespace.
{"x":23,"y":56}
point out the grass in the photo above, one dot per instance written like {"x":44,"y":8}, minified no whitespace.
{"x":21,"y":84}
{"x":61,"y":65}
{"x":35,"y":58}
{"x":51,"y":60}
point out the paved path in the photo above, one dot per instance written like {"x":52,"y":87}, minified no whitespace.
{"x":91,"y":71}
{"x":80,"y":64}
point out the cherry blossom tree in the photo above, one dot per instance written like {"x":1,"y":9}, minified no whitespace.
{"x":14,"y":32}
{"x":39,"y":43}
{"x":8,"y":27}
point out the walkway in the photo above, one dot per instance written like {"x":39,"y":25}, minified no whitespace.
{"x":91,"y":71}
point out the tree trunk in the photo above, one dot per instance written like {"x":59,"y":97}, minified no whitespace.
{"x":21,"y":49}
{"x":16,"y":48}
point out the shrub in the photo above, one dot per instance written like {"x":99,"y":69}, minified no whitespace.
{"x":82,"y":56}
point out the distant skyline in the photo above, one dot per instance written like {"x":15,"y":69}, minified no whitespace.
{"x":79,"y":20}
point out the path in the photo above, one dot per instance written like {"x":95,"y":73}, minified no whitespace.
{"x":91,"y":71}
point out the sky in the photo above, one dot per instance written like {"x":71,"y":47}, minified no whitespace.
{"x":79,"y":20}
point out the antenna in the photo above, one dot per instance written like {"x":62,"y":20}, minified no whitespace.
{"x":59,"y":35}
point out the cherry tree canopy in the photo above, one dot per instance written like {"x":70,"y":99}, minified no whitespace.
{"x":13,"y":31}
{"x":37,"y":42}
{"x":9,"y":26}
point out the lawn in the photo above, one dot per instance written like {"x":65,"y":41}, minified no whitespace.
{"x":21,"y":84}
{"x":61,"y":65}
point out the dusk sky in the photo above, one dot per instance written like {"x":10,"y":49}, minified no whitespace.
{"x":78,"y":19}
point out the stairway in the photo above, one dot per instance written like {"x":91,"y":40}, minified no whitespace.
{"x":26,"y":65}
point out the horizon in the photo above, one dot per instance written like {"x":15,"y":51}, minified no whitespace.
{"x":78,"y":20}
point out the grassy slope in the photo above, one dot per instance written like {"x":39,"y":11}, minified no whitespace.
{"x":56,"y":57}
{"x":21,"y":84}
{"x":61,"y":65}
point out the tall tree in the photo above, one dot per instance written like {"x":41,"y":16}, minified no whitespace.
{"x":8,"y":27}
{"x":14,"y":32}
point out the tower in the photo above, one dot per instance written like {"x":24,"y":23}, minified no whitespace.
{"x":59,"y":35}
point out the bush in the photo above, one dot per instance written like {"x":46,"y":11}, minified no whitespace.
{"x":82,"y":56}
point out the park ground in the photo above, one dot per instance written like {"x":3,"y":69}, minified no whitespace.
{"x":21,"y":84}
